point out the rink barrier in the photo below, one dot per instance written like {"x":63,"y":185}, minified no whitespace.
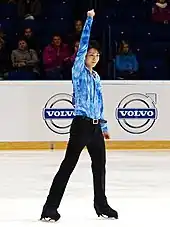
{"x":61,"y":145}
{"x":34,"y":113}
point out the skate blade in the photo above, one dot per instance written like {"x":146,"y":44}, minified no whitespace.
{"x":48,"y":220}
{"x":102,"y":216}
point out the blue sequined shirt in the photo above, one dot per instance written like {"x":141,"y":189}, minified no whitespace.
{"x":86,"y":85}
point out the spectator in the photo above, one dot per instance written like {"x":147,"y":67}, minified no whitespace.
{"x":31,"y":39}
{"x":4,"y":60}
{"x":12,"y":1}
{"x":126,"y":63}
{"x":72,"y":58}
{"x":29,"y":9}
{"x":53,"y":57}
{"x":161,"y":12}
{"x":78,"y":26}
{"x":2,"y":34}
{"x":24,"y":59}
{"x":69,"y":61}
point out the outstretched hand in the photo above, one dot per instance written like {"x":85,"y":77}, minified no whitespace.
{"x":91,"y":13}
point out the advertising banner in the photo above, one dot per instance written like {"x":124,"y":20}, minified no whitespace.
{"x":43,"y":111}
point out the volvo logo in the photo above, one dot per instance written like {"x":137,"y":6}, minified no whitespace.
{"x":136,"y":113}
{"x":59,"y":112}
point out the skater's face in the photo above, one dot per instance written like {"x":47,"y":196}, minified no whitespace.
{"x":92,"y":58}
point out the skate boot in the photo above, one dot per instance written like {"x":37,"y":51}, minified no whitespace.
{"x":49,"y":214}
{"x":105,"y":210}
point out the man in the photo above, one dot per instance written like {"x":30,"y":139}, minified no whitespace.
{"x":88,"y":129}
{"x":31,"y":40}
{"x":53,"y":57}
{"x":24,"y":59}
{"x":76,"y":34}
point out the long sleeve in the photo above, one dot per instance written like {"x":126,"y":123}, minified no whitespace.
{"x":83,"y":47}
{"x":103,"y":125}
{"x":13,"y":59}
{"x":34,"y":58}
{"x":47,"y":59}
{"x":135,"y":63}
{"x":118,"y":63}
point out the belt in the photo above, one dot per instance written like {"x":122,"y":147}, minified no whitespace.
{"x":91,"y":120}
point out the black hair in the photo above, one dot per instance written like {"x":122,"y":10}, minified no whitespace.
{"x":78,"y":19}
{"x":22,"y":39}
{"x":95,"y":45}
{"x":27,"y":27}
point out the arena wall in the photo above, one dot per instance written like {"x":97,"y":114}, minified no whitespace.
{"x":37,"y":115}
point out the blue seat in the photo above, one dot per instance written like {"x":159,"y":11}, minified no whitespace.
{"x":8,"y":11}
{"x":158,"y":32}
{"x":9,"y":26}
{"x":158,"y":49}
{"x":150,"y":50}
{"x":121,"y":32}
{"x":58,"y":25}
{"x":140,"y":49}
{"x":21,"y":76}
{"x":123,"y":3}
{"x":105,"y":17}
{"x":134,"y":15}
{"x":142,"y":33}
{"x":155,"y":69}
{"x":62,"y":10}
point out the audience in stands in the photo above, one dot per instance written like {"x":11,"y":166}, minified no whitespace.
{"x":57,"y":58}
{"x":69,"y":61}
{"x":24,"y":59}
{"x":29,"y":9}
{"x":161,"y":12}
{"x":4,"y":60}
{"x":126,"y":63}
{"x":53,"y":57}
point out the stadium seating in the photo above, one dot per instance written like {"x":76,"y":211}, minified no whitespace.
{"x":116,"y":21}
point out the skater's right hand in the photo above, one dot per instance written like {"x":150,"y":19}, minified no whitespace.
{"x":91,"y":13}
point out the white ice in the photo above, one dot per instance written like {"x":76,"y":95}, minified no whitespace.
{"x":137,"y":183}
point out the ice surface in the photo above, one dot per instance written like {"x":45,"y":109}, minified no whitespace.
{"x":138,"y":187}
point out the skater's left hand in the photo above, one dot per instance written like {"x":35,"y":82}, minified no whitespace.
{"x":106,"y":135}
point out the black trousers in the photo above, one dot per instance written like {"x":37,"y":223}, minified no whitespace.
{"x":82,"y":133}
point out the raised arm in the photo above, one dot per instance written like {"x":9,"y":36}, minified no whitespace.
{"x":83,"y":47}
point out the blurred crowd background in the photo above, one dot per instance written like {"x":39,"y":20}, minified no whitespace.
{"x":39,"y":38}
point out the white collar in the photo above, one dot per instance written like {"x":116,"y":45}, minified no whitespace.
{"x":94,"y":73}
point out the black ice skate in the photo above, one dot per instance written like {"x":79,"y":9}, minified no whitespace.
{"x":105,"y":210}
{"x":49,"y":214}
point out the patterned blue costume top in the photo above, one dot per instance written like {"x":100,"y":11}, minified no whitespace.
{"x":86,"y":86}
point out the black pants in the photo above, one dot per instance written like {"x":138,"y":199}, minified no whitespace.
{"x":82,"y":133}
